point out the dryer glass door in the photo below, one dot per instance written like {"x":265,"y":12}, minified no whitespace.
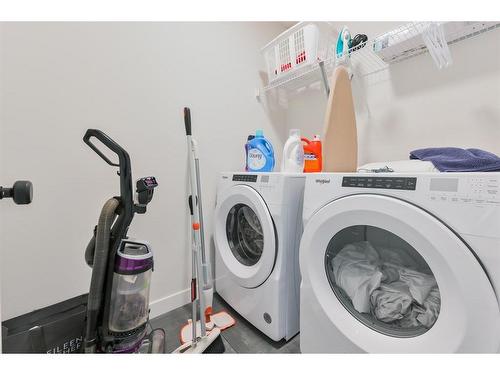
{"x":245,"y":236}
{"x":382,"y":281}
{"x":391,"y":277}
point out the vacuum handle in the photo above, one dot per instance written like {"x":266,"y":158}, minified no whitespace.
{"x":107,"y":141}
{"x":187,"y":120}
{"x":125,"y":170}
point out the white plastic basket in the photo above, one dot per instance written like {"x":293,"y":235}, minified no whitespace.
{"x":296,"y":48}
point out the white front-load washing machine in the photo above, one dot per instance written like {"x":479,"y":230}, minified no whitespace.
{"x":257,"y":228}
{"x":400,"y":263}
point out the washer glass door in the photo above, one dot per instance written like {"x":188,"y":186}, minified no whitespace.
{"x":244,"y":234}
{"x":245,"y":237}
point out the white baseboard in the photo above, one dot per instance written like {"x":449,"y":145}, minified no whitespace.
{"x":169,"y":303}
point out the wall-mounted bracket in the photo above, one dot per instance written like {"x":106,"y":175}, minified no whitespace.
{"x":324,"y":78}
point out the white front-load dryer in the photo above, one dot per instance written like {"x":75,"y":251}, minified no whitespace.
{"x":257,"y":228}
{"x":400,"y":263}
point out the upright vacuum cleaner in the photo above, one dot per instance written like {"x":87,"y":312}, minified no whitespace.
{"x":118,"y":301}
{"x":202,"y":337}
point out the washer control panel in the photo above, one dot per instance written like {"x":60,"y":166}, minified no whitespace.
{"x":398,"y":183}
{"x":245,"y":177}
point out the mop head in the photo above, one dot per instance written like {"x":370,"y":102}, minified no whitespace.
{"x":222,"y":320}
{"x":210,"y":344}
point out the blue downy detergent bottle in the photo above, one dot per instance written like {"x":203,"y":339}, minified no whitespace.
{"x":260,"y":154}
{"x":247,"y":147}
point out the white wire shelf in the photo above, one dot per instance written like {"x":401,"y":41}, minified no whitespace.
{"x":407,"y":41}
{"x":378,"y":54}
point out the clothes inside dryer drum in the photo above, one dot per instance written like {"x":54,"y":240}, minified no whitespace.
{"x":428,"y":314}
{"x":419,"y":284}
{"x":357,"y":272}
{"x":244,"y":234}
{"x":391,"y":301}
{"x":386,"y":287}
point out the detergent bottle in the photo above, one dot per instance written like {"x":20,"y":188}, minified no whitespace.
{"x":260,"y":154}
{"x":293,"y":154}
{"x":313,"y":160}
{"x":247,"y":147}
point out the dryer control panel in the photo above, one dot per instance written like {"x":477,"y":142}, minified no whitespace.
{"x":476,"y":190}
{"x":399,"y":183}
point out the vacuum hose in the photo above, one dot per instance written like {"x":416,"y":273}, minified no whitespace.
{"x":89,"y":252}
{"x":96,"y":255}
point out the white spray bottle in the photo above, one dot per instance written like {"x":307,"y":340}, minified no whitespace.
{"x":293,"y":154}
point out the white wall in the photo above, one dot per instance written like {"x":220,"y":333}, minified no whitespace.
{"x":130,"y":80}
{"x":414,"y":105}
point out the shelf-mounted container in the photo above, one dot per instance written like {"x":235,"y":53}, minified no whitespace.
{"x":296,"y":52}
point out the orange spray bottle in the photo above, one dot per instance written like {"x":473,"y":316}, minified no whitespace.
{"x":313,"y":160}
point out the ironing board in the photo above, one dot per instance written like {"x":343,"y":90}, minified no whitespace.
{"x":340,"y":147}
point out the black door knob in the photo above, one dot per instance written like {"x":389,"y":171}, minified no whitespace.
{"x":22,"y":192}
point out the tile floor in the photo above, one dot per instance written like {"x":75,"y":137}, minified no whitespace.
{"x":241,"y":338}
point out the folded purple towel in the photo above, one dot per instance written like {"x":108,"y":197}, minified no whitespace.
{"x":453,"y":159}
